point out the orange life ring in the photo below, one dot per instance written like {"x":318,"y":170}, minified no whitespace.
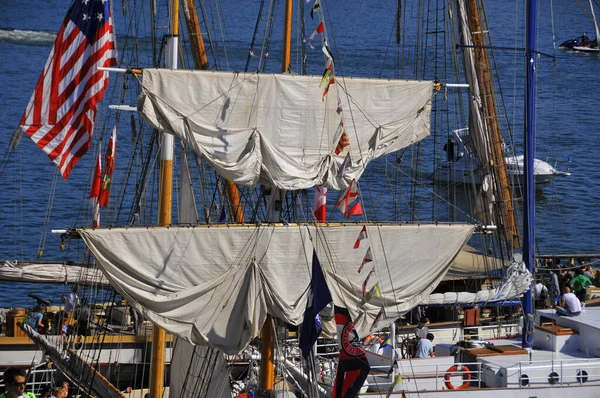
{"x":466,"y":377}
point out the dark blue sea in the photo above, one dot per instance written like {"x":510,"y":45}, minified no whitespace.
{"x":361,"y":37}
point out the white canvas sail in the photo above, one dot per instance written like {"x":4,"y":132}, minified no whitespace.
{"x":515,"y":282}
{"x":217,"y":283}
{"x":280,"y":129}
{"x":51,"y":273}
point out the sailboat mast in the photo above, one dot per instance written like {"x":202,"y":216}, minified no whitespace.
{"x":507,"y":221}
{"x":529,"y":140}
{"x":267,"y":354}
{"x":159,"y":335}
{"x":201,"y":62}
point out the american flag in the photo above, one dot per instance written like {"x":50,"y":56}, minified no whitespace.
{"x":62,"y":110}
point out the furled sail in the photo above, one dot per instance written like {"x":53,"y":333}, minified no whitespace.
{"x":281,"y":130}
{"x":217,"y":283}
{"x":51,"y":273}
{"x":515,"y":282}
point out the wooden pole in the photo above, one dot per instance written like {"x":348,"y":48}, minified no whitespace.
{"x":508,"y":226}
{"x":201,"y":62}
{"x":287,"y":38}
{"x":159,"y":335}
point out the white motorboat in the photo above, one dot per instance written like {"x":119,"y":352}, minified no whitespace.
{"x":460,"y":165}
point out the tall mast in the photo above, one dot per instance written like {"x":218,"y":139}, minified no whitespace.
{"x":507,"y":219}
{"x":157,"y":364}
{"x":529,"y":140}
{"x":201,"y":62}
{"x":267,"y":354}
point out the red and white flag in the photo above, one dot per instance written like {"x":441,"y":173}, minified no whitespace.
{"x":319,"y":30}
{"x":347,"y":163}
{"x":366,"y":282}
{"x":344,"y":141}
{"x":368,"y":258}
{"x":377,"y":317}
{"x":61,"y":113}
{"x":95,"y":192}
{"x":355,"y":210}
{"x":362,"y":235}
{"x":320,"y":203}
{"x":347,"y":197}
{"x":109,"y":167}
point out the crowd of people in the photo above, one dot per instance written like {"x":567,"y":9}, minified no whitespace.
{"x":74,"y":319}
{"x":564,"y":287}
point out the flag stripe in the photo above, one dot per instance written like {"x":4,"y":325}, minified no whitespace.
{"x":61,"y":113}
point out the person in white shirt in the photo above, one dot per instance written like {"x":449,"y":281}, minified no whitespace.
{"x":572,"y":304}
{"x":541,"y":292}
{"x":421,"y":330}
{"x":425,"y":347}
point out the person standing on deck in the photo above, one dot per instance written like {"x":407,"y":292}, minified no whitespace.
{"x":540,"y":294}
{"x":36,"y":320}
{"x":72,"y":300}
{"x":571,"y":302}
{"x":587,"y":271}
{"x":554,"y":286}
{"x":14,"y":380}
{"x":422,"y":330}
{"x":578,"y":284}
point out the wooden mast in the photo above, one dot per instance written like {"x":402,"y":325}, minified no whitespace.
{"x":507,"y":224}
{"x":201,"y":62}
{"x":157,"y":363}
{"x":267,"y":363}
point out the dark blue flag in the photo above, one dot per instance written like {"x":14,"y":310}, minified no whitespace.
{"x":318,"y":298}
{"x":223,"y":215}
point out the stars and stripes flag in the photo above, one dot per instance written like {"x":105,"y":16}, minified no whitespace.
{"x":61,"y":113}
{"x":362,"y":235}
{"x":95,"y":192}
{"x":320,"y":203}
{"x":109,"y":168}
{"x":367,"y":259}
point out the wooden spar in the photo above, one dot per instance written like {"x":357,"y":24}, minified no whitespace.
{"x":507,"y":224}
{"x":159,"y":335}
{"x":201,"y":62}
{"x":287,"y":38}
{"x":74,"y":367}
{"x":267,"y":354}
{"x":195,"y":35}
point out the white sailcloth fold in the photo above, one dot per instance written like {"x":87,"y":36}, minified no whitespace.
{"x":516,"y":281}
{"x":277,"y":129}
{"x":217,"y":283}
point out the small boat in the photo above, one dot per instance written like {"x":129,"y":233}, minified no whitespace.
{"x":581,"y":43}
{"x":461,"y":165}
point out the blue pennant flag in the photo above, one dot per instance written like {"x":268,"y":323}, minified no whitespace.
{"x":223,"y":215}
{"x":318,"y":298}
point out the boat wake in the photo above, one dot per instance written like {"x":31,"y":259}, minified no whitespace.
{"x":28,"y":37}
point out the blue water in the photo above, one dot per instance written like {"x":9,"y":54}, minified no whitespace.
{"x":361,"y":37}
